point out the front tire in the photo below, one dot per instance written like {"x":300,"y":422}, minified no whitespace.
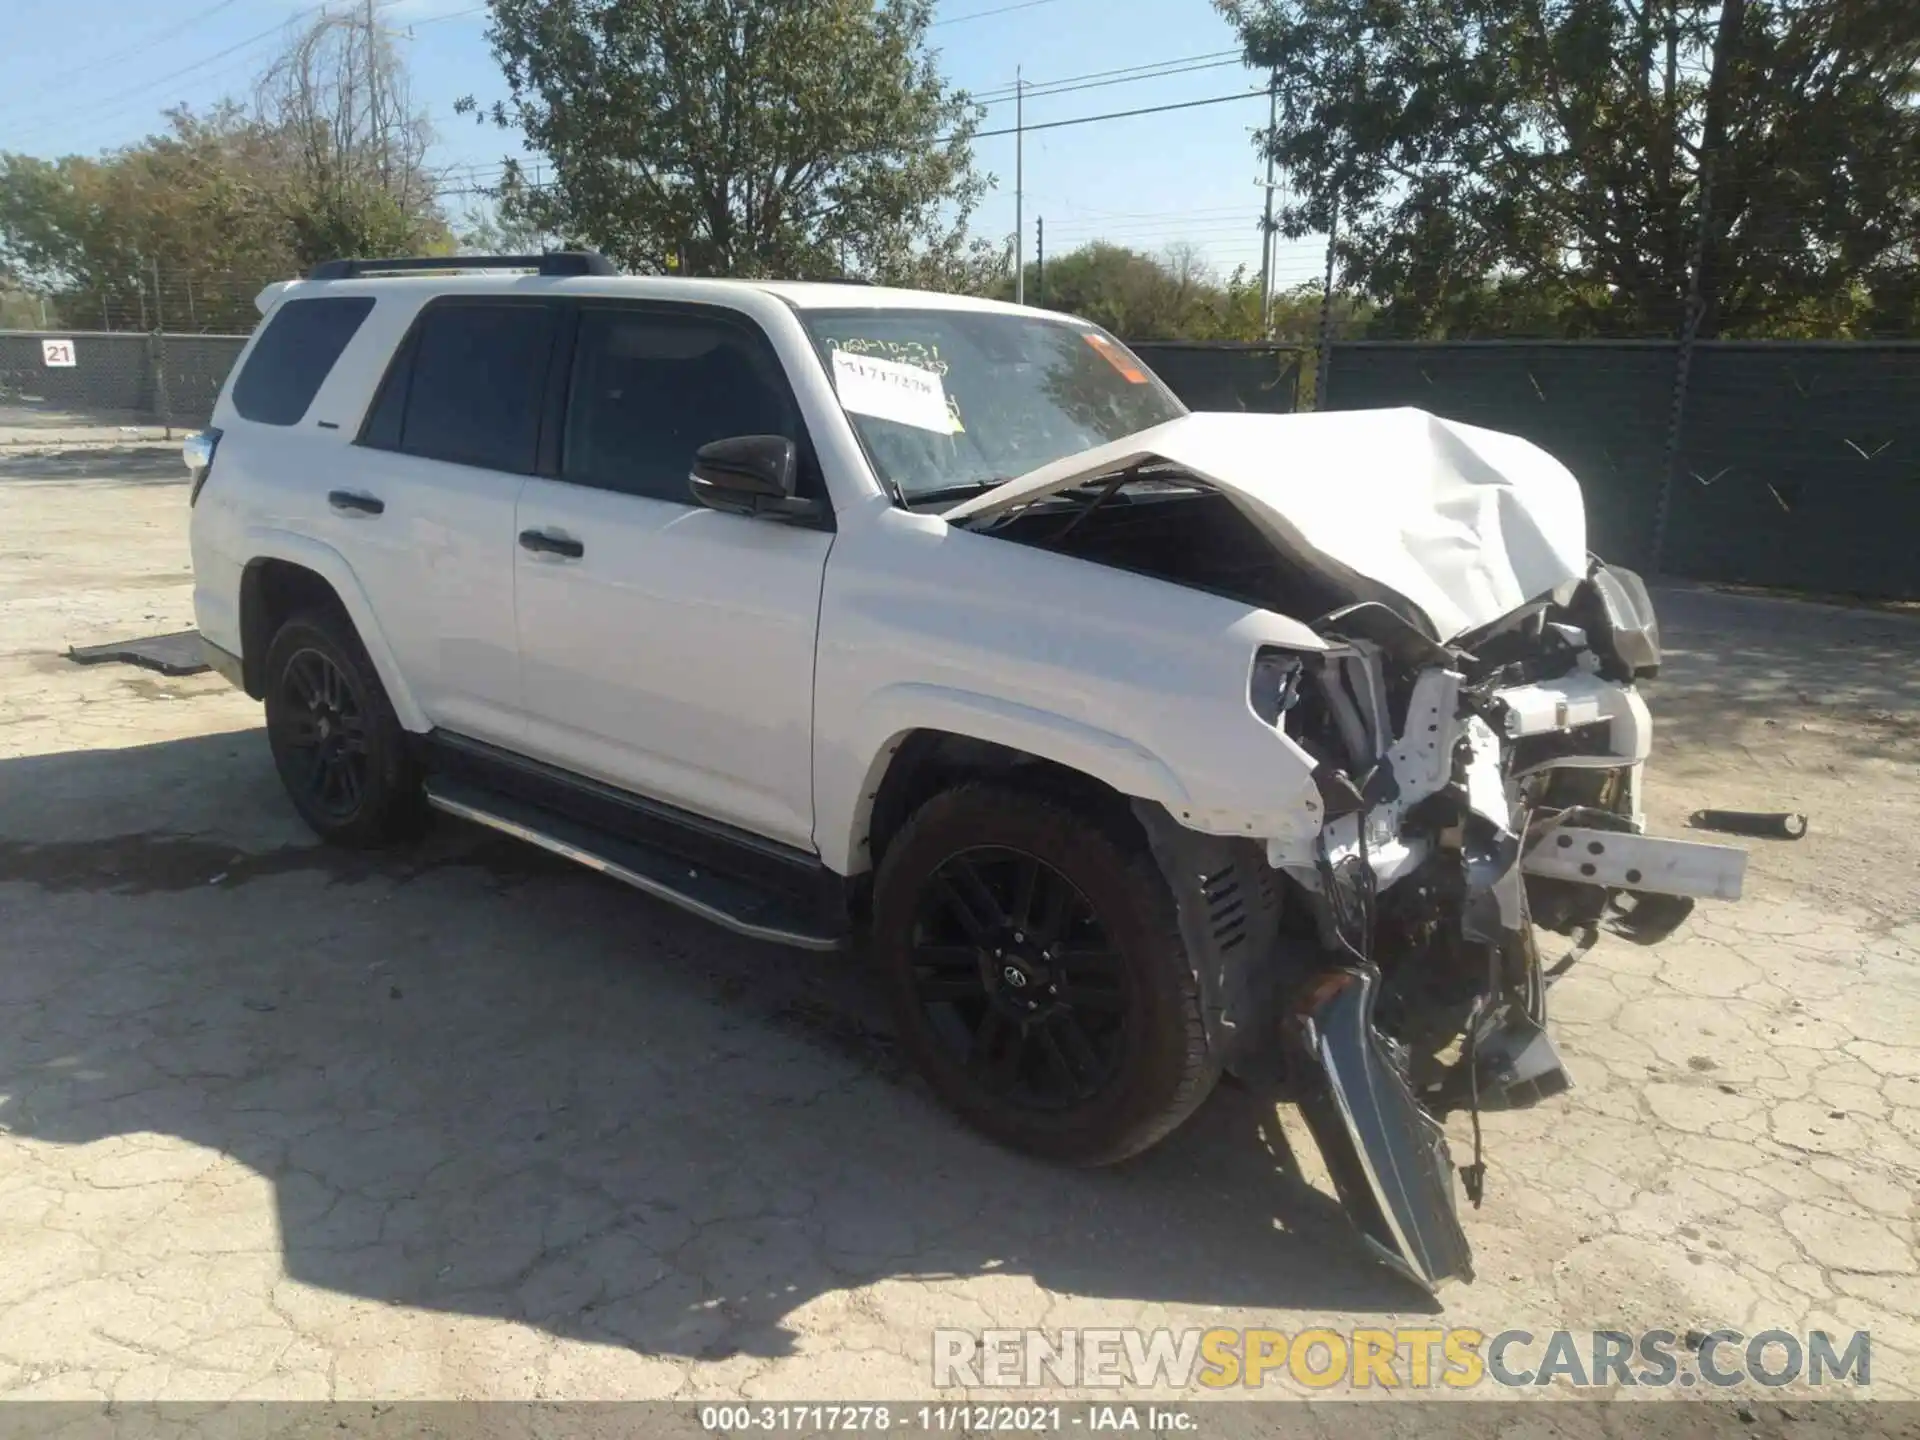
{"x":1033,"y":960}
{"x":338,"y":747}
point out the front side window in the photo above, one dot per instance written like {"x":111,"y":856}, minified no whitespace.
{"x":956,"y":400}
{"x":294,"y":356}
{"x":650,"y":387}
{"x":478,"y":384}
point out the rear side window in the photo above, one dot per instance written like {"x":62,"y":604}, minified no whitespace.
{"x":293,"y":356}
{"x":473,"y":387}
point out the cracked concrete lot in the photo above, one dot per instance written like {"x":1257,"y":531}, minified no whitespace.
{"x":461,"y":1121}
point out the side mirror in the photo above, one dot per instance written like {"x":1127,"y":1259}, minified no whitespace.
{"x":751,"y":475}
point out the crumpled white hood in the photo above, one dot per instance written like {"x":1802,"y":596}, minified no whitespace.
{"x":1468,"y":524}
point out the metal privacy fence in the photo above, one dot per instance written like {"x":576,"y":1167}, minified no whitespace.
{"x":123,"y":378}
{"x":96,"y":378}
{"x":1797,"y":464}
{"x":1227,"y":375}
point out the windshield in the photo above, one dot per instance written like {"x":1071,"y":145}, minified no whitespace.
{"x":955,"y":400}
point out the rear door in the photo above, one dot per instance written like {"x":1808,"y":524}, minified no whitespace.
{"x":667,"y":648}
{"x":428,"y":513}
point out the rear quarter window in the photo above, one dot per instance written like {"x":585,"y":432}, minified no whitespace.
{"x":293,"y":357}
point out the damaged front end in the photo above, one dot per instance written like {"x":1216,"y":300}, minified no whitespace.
{"x":1465,"y":786}
{"x":1470,"y":792}
{"x":1475,"y":734}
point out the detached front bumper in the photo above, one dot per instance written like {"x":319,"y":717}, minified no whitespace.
{"x":1388,"y":1158}
{"x":1472,"y":816}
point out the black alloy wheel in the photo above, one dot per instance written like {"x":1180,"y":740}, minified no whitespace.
{"x":336,"y":742}
{"x":1019,"y":978}
{"x":1032,"y":956}
{"x":324,"y":733}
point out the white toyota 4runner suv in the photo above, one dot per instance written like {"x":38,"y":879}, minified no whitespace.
{"x":1141,"y":745}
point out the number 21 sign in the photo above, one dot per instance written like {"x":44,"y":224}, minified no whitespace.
{"x":57,"y":353}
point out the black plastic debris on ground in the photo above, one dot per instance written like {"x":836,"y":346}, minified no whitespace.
{"x":1790,"y":825}
{"x":177,"y":653}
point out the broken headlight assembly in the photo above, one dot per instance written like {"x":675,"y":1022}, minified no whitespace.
{"x":1616,"y":612}
{"x":1273,"y":685}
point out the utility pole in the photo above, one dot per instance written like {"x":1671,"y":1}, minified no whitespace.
{"x":1324,"y":360}
{"x":157,"y":355}
{"x":1019,"y":178}
{"x":1266,"y":220}
{"x":376,"y":117}
{"x":1039,"y":257}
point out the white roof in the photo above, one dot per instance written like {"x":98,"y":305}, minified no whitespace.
{"x":801,"y":294}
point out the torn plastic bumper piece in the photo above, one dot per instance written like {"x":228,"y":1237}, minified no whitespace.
{"x":1387,"y":1156}
{"x":1515,"y":1067}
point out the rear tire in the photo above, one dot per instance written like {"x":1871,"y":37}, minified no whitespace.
{"x":338,"y":747}
{"x":1033,"y":960}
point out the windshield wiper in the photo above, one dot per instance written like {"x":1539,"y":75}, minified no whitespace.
{"x":1094,"y":498}
{"x":965,"y":490}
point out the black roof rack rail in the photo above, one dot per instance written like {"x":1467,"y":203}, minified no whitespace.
{"x":557,"y":262}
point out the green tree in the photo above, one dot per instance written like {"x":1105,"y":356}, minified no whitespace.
{"x":483,"y":230}
{"x":1543,"y":165}
{"x":195,"y":205}
{"x":350,"y":144}
{"x":1174,"y":295}
{"x":788,"y":138}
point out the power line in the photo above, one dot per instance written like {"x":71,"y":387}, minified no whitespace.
{"x":950,"y":20}
{"x":1063,"y":85}
{"x":1145,"y":214}
{"x":1043,"y":86}
{"x":1064,"y":89}
{"x":1149,"y":219}
{"x":148,"y":42}
{"x":985,"y":14}
{"x":1250,"y":227}
{"x":1120,"y":114}
{"x":1011,"y":129}
{"x":132,"y":95}
{"x":452,"y":15}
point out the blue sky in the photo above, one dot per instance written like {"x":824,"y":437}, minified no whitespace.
{"x":86,"y":75}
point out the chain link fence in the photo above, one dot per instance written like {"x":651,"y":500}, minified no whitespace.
{"x":52,"y":379}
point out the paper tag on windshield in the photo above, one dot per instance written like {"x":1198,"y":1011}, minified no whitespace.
{"x":888,"y":390}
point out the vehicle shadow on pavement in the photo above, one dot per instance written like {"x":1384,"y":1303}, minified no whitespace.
{"x":483,"y":1082}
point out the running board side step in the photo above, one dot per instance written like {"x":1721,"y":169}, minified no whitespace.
{"x":740,"y":907}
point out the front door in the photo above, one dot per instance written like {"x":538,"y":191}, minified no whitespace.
{"x":666,"y":648}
